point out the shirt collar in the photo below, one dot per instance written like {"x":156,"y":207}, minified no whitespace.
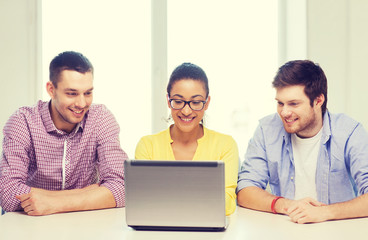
{"x":326,"y":130}
{"x":49,"y":124}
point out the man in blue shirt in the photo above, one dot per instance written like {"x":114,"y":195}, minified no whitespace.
{"x":315,"y":162}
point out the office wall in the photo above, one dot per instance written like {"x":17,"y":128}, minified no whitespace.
{"x":337,"y":37}
{"x":19,"y":56}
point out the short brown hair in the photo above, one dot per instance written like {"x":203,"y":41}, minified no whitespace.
{"x":305,"y":73}
{"x":68,"y":60}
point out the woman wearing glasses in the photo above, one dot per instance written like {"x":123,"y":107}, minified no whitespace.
{"x":187,"y":139}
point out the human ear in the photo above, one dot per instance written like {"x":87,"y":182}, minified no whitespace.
{"x":50,"y":88}
{"x":320,"y":100}
{"x":167,"y":99}
{"x":207,"y":103}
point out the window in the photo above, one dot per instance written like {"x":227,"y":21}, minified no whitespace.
{"x":115,"y":36}
{"x":234,"y":41}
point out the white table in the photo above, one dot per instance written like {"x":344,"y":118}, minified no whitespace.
{"x":110,"y":224}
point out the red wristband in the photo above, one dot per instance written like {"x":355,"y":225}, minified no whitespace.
{"x":273,"y":204}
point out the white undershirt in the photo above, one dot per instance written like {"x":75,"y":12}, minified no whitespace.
{"x":305,"y":151}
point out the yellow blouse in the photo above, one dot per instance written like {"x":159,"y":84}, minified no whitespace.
{"x":212,"y":146}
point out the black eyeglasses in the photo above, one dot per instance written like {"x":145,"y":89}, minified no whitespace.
{"x":195,"y":105}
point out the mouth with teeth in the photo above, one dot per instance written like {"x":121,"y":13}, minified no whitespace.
{"x":290,"y":121}
{"x":186,"y":119}
{"x":77,"y":113}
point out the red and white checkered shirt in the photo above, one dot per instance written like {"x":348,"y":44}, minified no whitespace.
{"x":33,"y":154}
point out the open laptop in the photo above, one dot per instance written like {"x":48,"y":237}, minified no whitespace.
{"x":175,"y":195}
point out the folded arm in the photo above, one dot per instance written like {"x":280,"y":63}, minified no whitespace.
{"x":354,"y":208}
{"x":305,"y":210}
{"x":43,"y":202}
{"x":300,"y":211}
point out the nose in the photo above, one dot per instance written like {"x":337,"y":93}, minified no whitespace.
{"x":186,"y":110}
{"x":80,"y":102}
{"x":285,"y":112}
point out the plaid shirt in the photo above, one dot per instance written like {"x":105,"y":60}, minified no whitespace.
{"x":37,"y":154}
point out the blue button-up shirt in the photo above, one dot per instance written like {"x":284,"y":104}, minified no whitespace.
{"x":342,"y":165}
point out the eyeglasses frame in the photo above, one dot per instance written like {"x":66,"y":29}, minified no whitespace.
{"x":187,"y":102}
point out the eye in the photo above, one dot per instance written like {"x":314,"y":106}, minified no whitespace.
{"x":71,"y":93}
{"x":88,"y":93}
{"x":280,"y":104}
{"x":196,"y":103}
{"x":178,"y":101}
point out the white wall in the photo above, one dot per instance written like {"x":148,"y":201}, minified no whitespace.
{"x":19,"y":56}
{"x":337,"y":38}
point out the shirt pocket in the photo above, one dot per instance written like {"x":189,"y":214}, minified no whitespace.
{"x":341,"y":187}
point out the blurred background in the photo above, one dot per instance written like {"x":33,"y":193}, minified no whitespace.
{"x":135,"y":45}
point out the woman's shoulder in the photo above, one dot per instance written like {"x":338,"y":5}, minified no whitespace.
{"x":219,"y":143}
{"x":217,"y":135}
{"x":160,"y":136}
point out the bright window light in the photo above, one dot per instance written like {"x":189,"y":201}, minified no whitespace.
{"x":234,"y":41}
{"x":236,"y":44}
{"x":115,"y":36}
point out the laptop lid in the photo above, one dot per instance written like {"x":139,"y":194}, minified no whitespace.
{"x":175,"y":194}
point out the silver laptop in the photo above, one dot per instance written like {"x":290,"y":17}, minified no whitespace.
{"x":175,"y":195}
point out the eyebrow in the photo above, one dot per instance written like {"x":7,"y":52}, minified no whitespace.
{"x":75,"y":90}
{"x":293,"y":100}
{"x":194,"y":96}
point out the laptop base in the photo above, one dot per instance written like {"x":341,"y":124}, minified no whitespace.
{"x":184,"y":229}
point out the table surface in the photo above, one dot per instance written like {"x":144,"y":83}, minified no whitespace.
{"x":110,"y":224}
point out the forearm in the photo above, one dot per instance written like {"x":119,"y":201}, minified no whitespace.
{"x":47,"y":202}
{"x":259,"y":199}
{"x":354,"y":208}
{"x":87,"y":199}
{"x":255,"y":198}
{"x":63,"y":193}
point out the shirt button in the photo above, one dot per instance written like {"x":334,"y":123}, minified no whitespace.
{"x":292,"y":178}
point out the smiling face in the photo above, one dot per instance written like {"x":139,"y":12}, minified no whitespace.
{"x":296,"y":112}
{"x":187,"y":120}
{"x":71,"y":99}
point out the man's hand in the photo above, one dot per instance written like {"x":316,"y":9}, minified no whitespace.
{"x":39,"y":202}
{"x":307,"y":210}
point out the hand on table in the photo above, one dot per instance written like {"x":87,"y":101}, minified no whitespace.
{"x":38,"y":202}
{"x":307,"y":210}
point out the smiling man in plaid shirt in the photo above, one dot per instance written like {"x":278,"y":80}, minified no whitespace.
{"x":63,"y":155}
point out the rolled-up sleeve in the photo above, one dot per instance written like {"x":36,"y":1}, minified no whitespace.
{"x":357,"y":154}
{"x":14,"y":163}
{"x":254,"y":169}
{"x":111,"y":158}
